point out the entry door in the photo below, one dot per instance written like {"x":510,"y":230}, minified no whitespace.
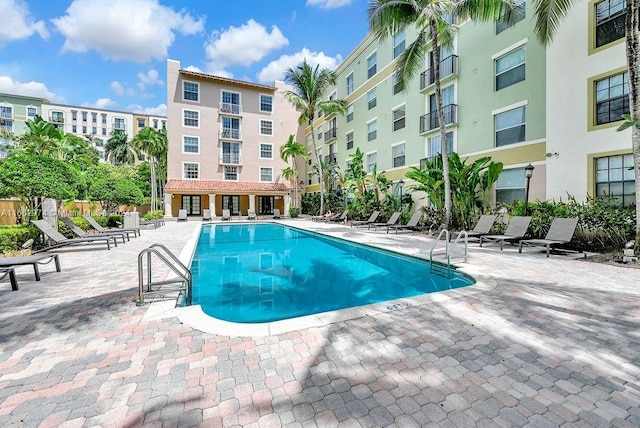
{"x":232,"y":203}
{"x":191,"y":203}
{"x":265,"y":204}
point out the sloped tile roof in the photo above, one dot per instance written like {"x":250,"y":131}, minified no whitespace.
{"x":224,"y":186}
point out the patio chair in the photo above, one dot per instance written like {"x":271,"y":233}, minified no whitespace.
{"x":226,"y":215}
{"x":206,"y":215}
{"x":412,"y":224}
{"x":251,"y":215}
{"x":34,"y":260}
{"x":392,"y":221}
{"x":99,"y":228}
{"x":182,"y":215}
{"x":340,"y":218}
{"x":372,"y":218}
{"x":482,"y":227}
{"x":12,"y":277}
{"x":560,"y":232}
{"x":516,"y":230}
{"x":57,"y":239}
{"x":82,"y":234}
{"x":276,"y":213}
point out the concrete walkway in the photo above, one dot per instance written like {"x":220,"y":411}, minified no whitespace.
{"x":537,"y":342}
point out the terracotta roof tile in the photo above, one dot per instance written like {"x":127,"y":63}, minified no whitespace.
{"x":224,"y":186}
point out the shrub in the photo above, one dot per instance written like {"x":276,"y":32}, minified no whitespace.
{"x":12,"y":237}
{"x":153,"y":215}
{"x":294,"y":212}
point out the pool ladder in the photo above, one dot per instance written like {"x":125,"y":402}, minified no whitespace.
{"x":146,"y":284}
{"x":448,"y":251}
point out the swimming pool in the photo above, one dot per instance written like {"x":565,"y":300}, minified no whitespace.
{"x":255,"y":273}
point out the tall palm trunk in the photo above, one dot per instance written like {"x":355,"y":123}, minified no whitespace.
{"x":444,"y":151}
{"x":320,"y":171}
{"x":154,"y":183}
{"x":633,"y":61}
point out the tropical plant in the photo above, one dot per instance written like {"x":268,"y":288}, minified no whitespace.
{"x":310,"y":86}
{"x":42,"y":138}
{"x":155,"y":144}
{"x":330,"y":173}
{"x":432,"y":19}
{"x":292,"y":150}
{"x":114,"y":191}
{"x":119,"y":149}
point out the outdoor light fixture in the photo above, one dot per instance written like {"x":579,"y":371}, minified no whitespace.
{"x":528,"y":173}
{"x":401,"y":184}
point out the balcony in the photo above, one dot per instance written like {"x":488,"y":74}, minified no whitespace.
{"x":430,"y":120}
{"x":333,"y":158}
{"x":56,"y":119}
{"x":230,"y":133}
{"x":230,"y":108}
{"x":230,"y":159}
{"x":448,"y":67}
{"x":119,"y":126}
{"x":331,"y":134}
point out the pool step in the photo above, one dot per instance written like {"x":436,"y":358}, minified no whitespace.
{"x":146,"y":284}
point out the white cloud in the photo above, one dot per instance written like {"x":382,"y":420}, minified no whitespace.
{"x":150,"y":78}
{"x":102,"y":103}
{"x":328,"y":4}
{"x":28,"y":89}
{"x":159,"y":110}
{"x":194,"y":68}
{"x":17,"y":22}
{"x":275,"y":69}
{"x":242,"y":45}
{"x":122,"y":90}
{"x":133,"y":30}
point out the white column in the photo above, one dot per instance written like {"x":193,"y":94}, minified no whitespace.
{"x":287,"y":204}
{"x":167,"y":205}
{"x":212,"y":204}
{"x":252,"y":203}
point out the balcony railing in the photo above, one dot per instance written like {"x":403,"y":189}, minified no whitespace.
{"x":331,"y":134}
{"x":56,"y":119}
{"x":448,"y":66}
{"x":231,"y":133}
{"x":333,"y":157}
{"x":430,"y":120}
{"x":119,"y":126}
{"x":230,"y":158}
{"x":230,"y":108}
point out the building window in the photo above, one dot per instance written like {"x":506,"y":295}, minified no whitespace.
{"x":98,"y":142}
{"x":399,"y":118}
{"x":349,"y":83}
{"x":104,"y":119}
{"x":118,"y":123}
{"x":190,"y":144}
{"x":231,"y":173}
{"x":32,"y":112}
{"x":372,"y":99}
{"x":6,"y":113}
{"x":141,"y":123}
{"x":612,"y":98}
{"x":230,"y":127}
{"x":191,"y":91}
{"x":350,"y":113}
{"x":510,"y":186}
{"x":230,"y":102}
{"x":94,"y":117}
{"x":266,"y":127}
{"x":615,"y":178}
{"x":84,"y":130}
{"x":94,"y":130}
{"x":84,"y":116}
{"x":320,"y":132}
{"x":512,"y":17}
{"x":610,"y":17}
{"x":191,"y":118}
{"x":372,"y":65}
{"x":74,"y":115}
{"x":309,"y":178}
{"x":398,"y":155}
{"x":397,"y":87}
{"x":510,"y":68}
{"x":266,"y":103}
{"x":372,"y":130}
{"x":57,"y":117}
{"x":372,"y":159}
{"x":266,"y":151}
{"x":510,"y":127}
{"x":309,"y":139}
{"x":232,"y":203}
{"x":230,"y":153}
{"x":164,"y":124}
{"x":190,"y":170}
{"x":349,"y":140}
{"x":104,"y":131}
{"x":398,"y":43}
{"x":266,"y":174}
{"x":74,"y":129}
{"x":155,"y":123}
{"x":435,"y":148}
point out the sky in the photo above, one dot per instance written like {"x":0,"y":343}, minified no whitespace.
{"x":111,"y":54}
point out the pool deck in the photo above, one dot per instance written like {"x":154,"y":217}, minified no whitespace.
{"x":537,"y":342}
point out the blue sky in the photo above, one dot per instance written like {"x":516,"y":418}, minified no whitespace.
{"x":112,"y":54}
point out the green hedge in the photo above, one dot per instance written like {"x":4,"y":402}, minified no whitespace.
{"x":12,"y":237}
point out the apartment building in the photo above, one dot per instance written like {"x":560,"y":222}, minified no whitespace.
{"x":224,"y":144}
{"x":15,"y":110}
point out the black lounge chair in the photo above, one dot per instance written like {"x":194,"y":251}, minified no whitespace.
{"x":12,"y":277}
{"x":34,"y":260}
{"x":391,"y":222}
{"x":482,"y":227}
{"x":57,"y":239}
{"x":412,"y":224}
{"x":516,"y":230}
{"x":372,"y":218}
{"x":99,"y":228}
{"x":82,"y":234}
{"x":560,"y":232}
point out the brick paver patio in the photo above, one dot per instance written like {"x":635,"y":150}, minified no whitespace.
{"x":546,"y":342}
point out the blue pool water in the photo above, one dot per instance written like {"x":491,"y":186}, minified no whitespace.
{"x":252,"y":273}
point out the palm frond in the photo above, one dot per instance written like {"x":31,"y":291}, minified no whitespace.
{"x":549,"y":14}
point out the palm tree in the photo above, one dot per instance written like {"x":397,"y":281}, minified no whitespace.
{"x":292,"y":150}
{"x":310,"y":86}
{"x":155,"y":144}
{"x":549,"y":14}
{"x":41,"y":138}
{"x":432,"y":19}
{"x":119,"y":150}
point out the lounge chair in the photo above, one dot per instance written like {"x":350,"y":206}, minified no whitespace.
{"x":516,"y":230}
{"x":206,"y":215}
{"x":412,"y":224}
{"x":12,"y":277}
{"x":57,"y":239}
{"x":98,"y":227}
{"x":276,"y":213}
{"x":226,"y":215}
{"x":34,"y":260}
{"x":372,"y":218}
{"x":251,"y":215}
{"x":392,"y":221}
{"x":560,"y":232}
{"x":82,"y":234}
{"x":340,"y":218}
{"x":482,"y":227}
{"x":182,"y":215}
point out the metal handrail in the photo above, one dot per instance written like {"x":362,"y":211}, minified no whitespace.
{"x":466,"y":242}
{"x":433,"y":247}
{"x":172,"y":263}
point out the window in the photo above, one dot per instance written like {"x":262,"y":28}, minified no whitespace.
{"x":266,"y":127}
{"x":57,"y":117}
{"x":164,"y":124}
{"x":266,"y":174}
{"x":104,"y":131}
{"x":610,"y":17}
{"x":320,"y":132}
{"x":435,"y":148}
{"x":94,"y":118}
{"x":230,"y":153}
{"x":350,"y":140}
{"x":118,"y":123}
{"x":372,"y":130}
{"x":104,"y":119}
{"x":612,"y":98}
{"x":98,"y":142}
{"x":372,"y":99}
{"x":190,"y":170}
{"x":398,"y":43}
{"x":6,"y":112}
{"x":230,"y":102}
{"x":141,"y":123}
{"x":397,"y":152}
{"x":94,"y":130}
{"x":510,"y":127}
{"x":191,"y":91}
{"x":84,"y":129}
{"x":74,"y":129}
{"x":155,"y":123}
{"x":231,"y":173}
{"x":266,"y":151}
{"x":510,"y":185}
{"x":399,"y":118}
{"x":511,"y":18}
{"x":84,"y":116}
{"x":350,"y":113}
{"x":309,"y":139}
{"x":32,"y":112}
{"x":397,"y":87}
{"x":74,"y":115}
{"x":372,"y":65}
{"x":309,"y":178}
{"x":371,"y":161}
{"x":349,"y":83}
{"x":230,"y":127}
{"x":266,"y":103}
{"x":191,"y":118}
{"x":615,"y":177}
{"x":190,"y":144}
{"x":510,"y":68}
{"x":232,"y":203}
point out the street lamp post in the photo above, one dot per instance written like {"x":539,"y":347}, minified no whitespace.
{"x":401,"y":183}
{"x":528,"y":173}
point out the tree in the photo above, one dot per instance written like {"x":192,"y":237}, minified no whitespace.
{"x":292,"y":150}
{"x":42,"y":138}
{"x":113,"y":191}
{"x":119,"y":150}
{"x":310,"y":86}
{"x":549,"y":14}
{"x":155,"y":144}
{"x":432,"y":19}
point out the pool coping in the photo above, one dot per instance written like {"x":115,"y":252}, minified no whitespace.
{"x":194,"y":316}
